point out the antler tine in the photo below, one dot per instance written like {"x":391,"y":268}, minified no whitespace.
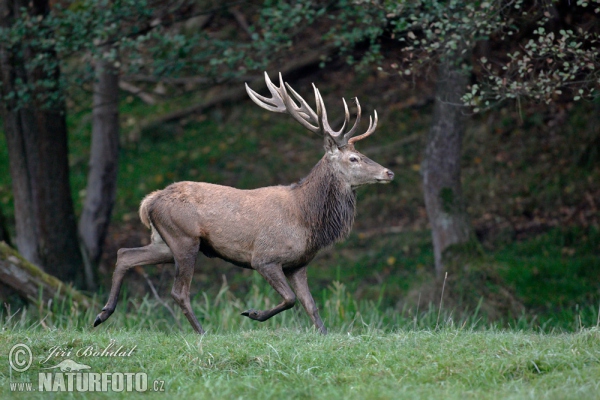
{"x":346,"y":114}
{"x":303,"y":113}
{"x":274,"y":104}
{"x":372,"y":127}
{"x":352,"y":131}
{"x":337,"y":136}
{"x":304,"y":107}
{"x":317,"y":100}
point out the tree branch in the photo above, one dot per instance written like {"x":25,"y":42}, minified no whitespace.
{"x":145,"y":97}
{"x":226,"y":96}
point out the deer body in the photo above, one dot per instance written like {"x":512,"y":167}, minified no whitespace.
{"x":240,"y":231}
{"x":275,"y":230}
{"x":275,"y":224}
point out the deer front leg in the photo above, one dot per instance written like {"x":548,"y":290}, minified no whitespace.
{"x":276,"y":278}
{"x":299,"y":283}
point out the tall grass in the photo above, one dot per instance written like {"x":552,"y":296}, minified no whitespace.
{"x":341,"y":311}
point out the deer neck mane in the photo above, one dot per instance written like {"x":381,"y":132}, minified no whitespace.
{"x":328,"y":205}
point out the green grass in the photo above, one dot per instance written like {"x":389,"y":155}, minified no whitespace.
{"x":449,"y":363}
{"x":564,"y":265}
{"x":220,"y":314}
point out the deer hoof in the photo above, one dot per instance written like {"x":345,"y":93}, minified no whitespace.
{"x":103,"y":316}
{"x":97,"y":321}
{"x":252,"y":314}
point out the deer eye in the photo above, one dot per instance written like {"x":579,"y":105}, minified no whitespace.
{"x":353,"y":159}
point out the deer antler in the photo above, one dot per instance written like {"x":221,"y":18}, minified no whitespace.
{"x":282,"y":103}
{"x":372,"y":127}
{"x":316,"y":122}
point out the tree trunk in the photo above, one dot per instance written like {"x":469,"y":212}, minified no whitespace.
{"x":104,"y":155}
{"x":441,"y":167}
{"x":36,"y":136}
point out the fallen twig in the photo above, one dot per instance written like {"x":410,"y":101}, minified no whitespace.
{"x":141,"y":271}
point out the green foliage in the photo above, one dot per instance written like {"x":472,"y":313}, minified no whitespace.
{"x":546,"y":64}
{"x":43,"y":42}
{"x":538,"y":57}
{"x":135,"y":36}
{"x":558,"y":56}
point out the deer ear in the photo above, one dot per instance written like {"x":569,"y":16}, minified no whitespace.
{"x":330,"y":145}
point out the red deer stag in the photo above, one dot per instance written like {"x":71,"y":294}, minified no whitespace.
{"x":275,"y":230}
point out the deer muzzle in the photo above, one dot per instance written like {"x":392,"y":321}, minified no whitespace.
{"x":386,"y":177}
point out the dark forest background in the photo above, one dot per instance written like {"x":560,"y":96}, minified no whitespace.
{"x":489,"y":115}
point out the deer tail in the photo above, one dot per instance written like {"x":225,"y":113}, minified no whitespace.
{"x":144,"y":212}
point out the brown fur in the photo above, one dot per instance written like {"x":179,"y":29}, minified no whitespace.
{"x":328,"y":206}
{"x":144,"y":217}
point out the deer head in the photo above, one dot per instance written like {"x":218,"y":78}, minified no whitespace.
{"x":352,"y":166}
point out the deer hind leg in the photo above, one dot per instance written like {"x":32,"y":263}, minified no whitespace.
{"x":299,"y":283}
{"x":276,"y":278}
{"x":155,"y":253}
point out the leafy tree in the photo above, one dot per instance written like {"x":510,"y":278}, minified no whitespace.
{"x":33,"y":111}
{"x":452,"y":33}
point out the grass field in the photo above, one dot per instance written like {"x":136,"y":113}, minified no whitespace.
{"x":371,"y":352}
{"x":449,"y":363}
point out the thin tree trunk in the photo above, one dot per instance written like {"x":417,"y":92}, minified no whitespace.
{"x":36,"y":135}
{"x":104,"y":155}
{"x":441,"y":167}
